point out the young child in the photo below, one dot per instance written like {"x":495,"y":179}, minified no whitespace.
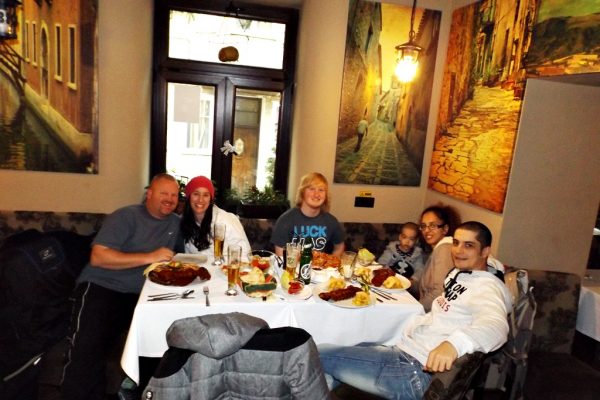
{"x":404,"y":256}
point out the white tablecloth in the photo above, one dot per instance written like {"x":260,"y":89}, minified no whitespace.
{"x":326,"y":323}
{"x":588,"y":315}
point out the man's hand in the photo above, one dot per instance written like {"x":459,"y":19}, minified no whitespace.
{"x":441,"y":358}
{"x":161,"y":254}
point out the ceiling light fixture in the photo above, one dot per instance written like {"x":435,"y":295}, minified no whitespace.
{"x":8,"y":19}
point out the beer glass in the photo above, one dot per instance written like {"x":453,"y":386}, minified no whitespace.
{"x":218,"y":239}
{"x":234,"y":256}
{"x":292,"y":256}
{"x":347,"y":264}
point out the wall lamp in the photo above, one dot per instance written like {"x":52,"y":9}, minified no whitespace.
{"x":407,"y":60}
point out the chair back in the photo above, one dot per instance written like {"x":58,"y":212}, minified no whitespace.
{"x":506,"y":369}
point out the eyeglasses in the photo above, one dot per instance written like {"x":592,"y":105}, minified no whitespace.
{"x":432,"y":227}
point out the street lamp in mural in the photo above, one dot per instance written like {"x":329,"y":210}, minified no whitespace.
{"x":8,"y":19}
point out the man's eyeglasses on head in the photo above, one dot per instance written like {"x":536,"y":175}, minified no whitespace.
{"x":432,"y":227}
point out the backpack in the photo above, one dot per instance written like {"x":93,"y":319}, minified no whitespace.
{"x":38,"y":272}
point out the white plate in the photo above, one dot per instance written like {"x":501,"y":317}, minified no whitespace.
{"x":190,"y":258}
{"x":322,"y":287}
{"x":323,"y":275}
{"x":304,"y":294}
{"x":172,"y":288}
{"x":405,"y":285}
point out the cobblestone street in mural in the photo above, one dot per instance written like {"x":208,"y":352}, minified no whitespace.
{"x":472,"y":160}
{"x":381,"y":159}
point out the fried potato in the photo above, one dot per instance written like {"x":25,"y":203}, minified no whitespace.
{"x":392,"y":282}
{"x":336,"y":283}
{"x":361,"y":299}
{"x":363,"y":272}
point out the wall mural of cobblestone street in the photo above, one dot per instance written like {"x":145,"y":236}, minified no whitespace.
{"x":471,"y":161}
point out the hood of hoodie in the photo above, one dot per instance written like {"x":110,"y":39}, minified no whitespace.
{"x":215,"y":335}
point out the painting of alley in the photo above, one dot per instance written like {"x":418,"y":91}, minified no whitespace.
{"x":471,"y":160}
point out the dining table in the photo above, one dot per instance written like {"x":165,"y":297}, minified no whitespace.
{"x":588,"y":314}
{"x":327,"y":322}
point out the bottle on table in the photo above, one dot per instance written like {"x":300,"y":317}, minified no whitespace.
{"x":305,"y":267}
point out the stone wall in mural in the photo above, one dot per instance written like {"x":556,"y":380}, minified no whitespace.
{"x":395,"y":115}
{"x":494,"y":47}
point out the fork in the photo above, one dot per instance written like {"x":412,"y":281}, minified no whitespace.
{"x":205,"y":290}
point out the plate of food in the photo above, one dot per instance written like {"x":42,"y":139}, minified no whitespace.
{"x":323,"y":275}
{"x":336,"y":292}
{"x":175,"y":273}
{"x":383,"y":278}
{"x":322,"y":260}
{"x":297,"y":291}
{"x":256,"y":283}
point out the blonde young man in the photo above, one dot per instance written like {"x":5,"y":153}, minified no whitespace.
{"x":310,"y":219}
{"x":470,"y":316}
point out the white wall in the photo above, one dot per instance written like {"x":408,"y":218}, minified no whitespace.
{"x":554,"y":187}
{"x":125,"y":56}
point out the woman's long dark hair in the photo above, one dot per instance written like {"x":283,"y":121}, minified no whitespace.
{"x":200,"y":236}
{"x":447,"y":214}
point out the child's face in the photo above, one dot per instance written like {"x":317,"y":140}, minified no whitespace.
{"x":407,"y":238}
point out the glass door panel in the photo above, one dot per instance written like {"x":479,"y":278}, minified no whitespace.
{"x":255,"y":132}
{"x":190,"y":128}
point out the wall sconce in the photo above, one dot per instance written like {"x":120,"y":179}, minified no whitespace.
{"x":407,"y":60}
{"x":8,"y":19}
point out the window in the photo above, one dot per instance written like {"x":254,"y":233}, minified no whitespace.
{"x":26,"y":41}
{"x":34,"y":42}
{"x":200,"y":103}
{"x":57,"y":53}
{"x":72,"y":61}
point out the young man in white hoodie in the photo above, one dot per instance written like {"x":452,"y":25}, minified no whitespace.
{"x":470,"y":316}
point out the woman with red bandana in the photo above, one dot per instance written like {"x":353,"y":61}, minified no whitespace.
{"x":200,"y":213}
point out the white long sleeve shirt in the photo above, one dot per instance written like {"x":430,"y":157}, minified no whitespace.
{"x":234,"y":235}
{"x":471,"y":314}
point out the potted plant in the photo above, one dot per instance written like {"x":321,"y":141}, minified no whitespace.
{"x":255,"y":203}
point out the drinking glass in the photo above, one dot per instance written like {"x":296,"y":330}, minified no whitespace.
{"x":292,"y":256}
{"x":218,"y":240}
{"x":234,"y":256}
{"x":347,"y":264}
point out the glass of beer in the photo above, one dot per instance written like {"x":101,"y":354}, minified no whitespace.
{"x":218,"y":239}
{"x":292,"y":256}
{"x":234,"y":256}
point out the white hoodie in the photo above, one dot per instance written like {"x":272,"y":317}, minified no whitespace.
{"x":472,"y":316}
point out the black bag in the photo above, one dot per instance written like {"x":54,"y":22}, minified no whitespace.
{"x":37,"y":275}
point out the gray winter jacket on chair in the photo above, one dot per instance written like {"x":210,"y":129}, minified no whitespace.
{"x":236,"y":356}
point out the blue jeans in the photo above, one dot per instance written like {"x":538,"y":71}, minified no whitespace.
{"x":380,"y":370}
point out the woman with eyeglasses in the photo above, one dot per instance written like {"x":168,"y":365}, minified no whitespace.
{"x":437,"y":226}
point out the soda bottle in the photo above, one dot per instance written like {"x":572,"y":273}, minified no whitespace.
{"x":305,"y":267}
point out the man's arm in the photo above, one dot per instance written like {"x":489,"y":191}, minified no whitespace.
{"x":338,"y":249}
{"x":105,"y":257}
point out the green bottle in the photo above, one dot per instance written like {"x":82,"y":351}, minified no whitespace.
{"x":305,"y":267}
